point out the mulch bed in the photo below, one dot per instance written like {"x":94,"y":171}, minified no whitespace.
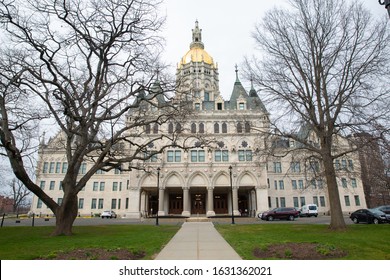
{"x":299,"y":251}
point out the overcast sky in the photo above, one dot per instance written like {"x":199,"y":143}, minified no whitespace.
{"x":226,"y":31}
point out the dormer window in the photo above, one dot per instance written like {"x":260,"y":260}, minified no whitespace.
{"x":219,"y":106}
{"x":197,"y":106}
{"x":241,"y":106}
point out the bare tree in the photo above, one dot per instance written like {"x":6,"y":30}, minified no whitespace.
{"x":91,"y":67}
{"x":324,"y":66}
{"x":19,"y":194}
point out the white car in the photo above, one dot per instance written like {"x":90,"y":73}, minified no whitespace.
{"x":108,"y":214}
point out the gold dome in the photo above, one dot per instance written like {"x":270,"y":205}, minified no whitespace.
{"x":196,"y":54}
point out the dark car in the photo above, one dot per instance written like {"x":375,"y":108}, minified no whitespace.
{"x":371,"y":216}
{"x":384,"y":208}
{"x":281,"y":213}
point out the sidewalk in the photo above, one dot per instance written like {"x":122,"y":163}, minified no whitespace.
{"x":198,"y":241}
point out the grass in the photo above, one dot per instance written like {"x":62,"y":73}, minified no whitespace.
{"x":361,"y":242}
{"x":27,"y":243}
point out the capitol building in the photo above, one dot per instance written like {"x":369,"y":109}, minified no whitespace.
{"x":244,"y":170}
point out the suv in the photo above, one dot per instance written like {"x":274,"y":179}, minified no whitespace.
{"x":384,"y":208}
{"x":108,"y":214}
{"x":287,"y":213}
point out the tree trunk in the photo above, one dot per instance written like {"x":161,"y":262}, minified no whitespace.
{"x":65,"y":215}
{"x":336,"y":216}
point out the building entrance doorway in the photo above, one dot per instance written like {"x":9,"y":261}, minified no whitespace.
{"x":175,"y":204}
{"x":220,"y":204}
{"x":198,"y":203}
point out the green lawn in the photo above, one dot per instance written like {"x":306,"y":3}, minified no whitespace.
{"x":27,"y":243}
{"x":361,"y":242}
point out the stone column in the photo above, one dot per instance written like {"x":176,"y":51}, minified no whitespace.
{"x":235,"y":202}
{"x":210,"y":202}
{"x":161,"y":198}
{"x":186,"y":199}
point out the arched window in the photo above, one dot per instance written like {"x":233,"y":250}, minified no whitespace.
{"x":178,"y":128}
{"x":247,"y":127}
{"x":216,"y":128}
{"x":201,"y":128}
{"x":224,"y":128}
{"x":170,"y":128}
{"x":193,"y":128}
{"x":239,"y":127}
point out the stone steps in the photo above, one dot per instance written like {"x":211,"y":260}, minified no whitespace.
{"x":198,"y":219}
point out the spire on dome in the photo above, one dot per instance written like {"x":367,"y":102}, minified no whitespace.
{"x":197,"y":37}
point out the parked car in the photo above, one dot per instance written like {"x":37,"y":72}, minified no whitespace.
{"x":309,"y":210}
{"x":281,"y":213}
{"x":371,"y":216}
{"x":109,"y":214}
{"x":383,"y":208}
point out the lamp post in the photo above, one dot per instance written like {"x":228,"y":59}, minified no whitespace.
{"x":158,"y":193}
{"x":231,"y":188}
{"x":386,"y":3}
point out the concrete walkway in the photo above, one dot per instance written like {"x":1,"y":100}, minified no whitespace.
{"x":198,"y":241}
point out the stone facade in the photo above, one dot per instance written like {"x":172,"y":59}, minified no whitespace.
{"x":232,"y":174}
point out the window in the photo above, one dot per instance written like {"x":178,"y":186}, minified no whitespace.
{"x":99,"y":171}
{"x":337,"y":164}
{"x":174,"y":156}
{"x":118,"y":170}
{"x":322,"y":201}
{"x":300,"y":184}
{"x":295,"y":167}
{"x":52,"y":185}
{"x":346,"y":200}
{"x":201,"y":128}
{"x":315,"y":200}
{"x":206,"y":96}
{"x":39,"y":203}
{"x":150,"y":156}
{"x":224,"y":128}
{"x":269,"y":202}
{"x":357,"y":200}
{"x":61,"y":188}
{"x":95,"y":186}
{"x":115,"y":186}
{"x":45,"y":167}
{"x":219,"y":106}
{"x":278,"y":167}
{"x":83,"y":168}
{"x":59,"y":201}
{"x":101,"y":202}
{"x":281,"y":185}
{"x":276,"y":184}
{"x":81,"y":203}
{"x":42,"y":185}
{"x":155,"y":128}
{"x":113,"y":203}
{"x":353,"y":183}
{"x":344,"y":182}
{"x":170,"y":128}
{"x":147,"y":129}
{"x":320,"y":183}
{"x":303,"y":201}
{"x":216,"y":128}
{"x":344,"y":164}
{"x":127,"y":203}
{"x":241,"y":106}
{"x":193,"y":128}
{"x":245,"y":155}
{"x":178,"y":127}
{"x":221,"y":155}
{"x":295,"y":201}
{"x":277,"y":202}
{"x":314,"y":166}
{"x":197,"y":156}
{"x":294,"y":184}
{"x":64,"y":167}
{"x":102,"y":185}
{"x":51,"y":168}
{"x":350,"y":164}
{"x":313,"y":184}
{"x":93,"y":203}
{"x":58,"y":167}
{"x":239,"y":127}
{"x":119,"y":203}
{"x":247,"y":127}
{"x":282,"y":202}
{"x":197,"y":106}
